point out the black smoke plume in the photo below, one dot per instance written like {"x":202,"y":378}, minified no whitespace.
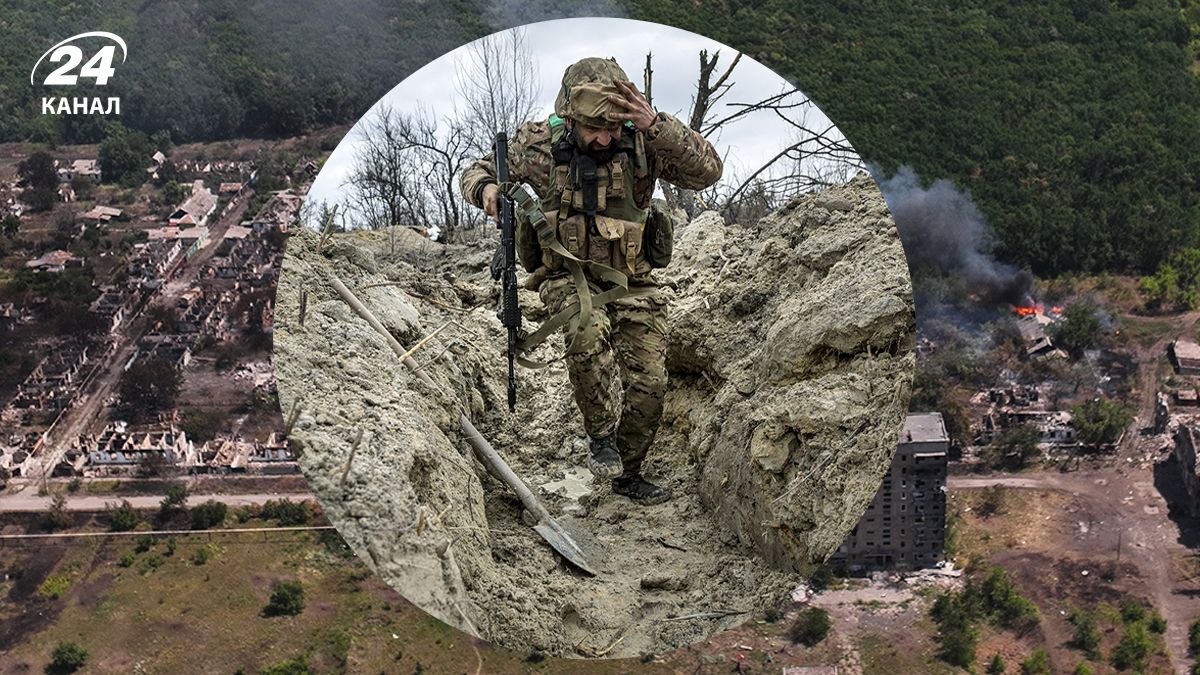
{"x":944,"y":234}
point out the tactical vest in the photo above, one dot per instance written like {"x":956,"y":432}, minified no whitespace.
{"x":613,"y":235}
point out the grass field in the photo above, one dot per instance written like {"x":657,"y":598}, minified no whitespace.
{"x":165,"y":613}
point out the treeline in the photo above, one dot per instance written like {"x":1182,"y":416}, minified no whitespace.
{"x":225,"y":68}
{"x":1072,"y":125}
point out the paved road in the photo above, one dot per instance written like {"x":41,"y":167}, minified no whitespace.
{"x":964,"y":483}
{"x":25,"y":503}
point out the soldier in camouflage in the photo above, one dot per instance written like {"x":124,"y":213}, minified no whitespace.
{"x":594,"y":165}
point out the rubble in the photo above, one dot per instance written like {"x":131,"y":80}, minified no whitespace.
{"x":791,"y":356}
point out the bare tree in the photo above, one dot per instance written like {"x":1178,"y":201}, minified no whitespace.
{"x":404,"y":173}
{"x":815,"y":157}
{"x":708,"y":93}
{"x":498,"y":86}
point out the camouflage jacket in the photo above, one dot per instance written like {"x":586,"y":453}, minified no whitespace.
{"x":673,"y":152}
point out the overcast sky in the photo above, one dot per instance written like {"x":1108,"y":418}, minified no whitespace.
{"x":557,"y":44}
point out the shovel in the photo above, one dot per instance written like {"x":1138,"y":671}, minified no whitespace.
{"x":554,"y":533}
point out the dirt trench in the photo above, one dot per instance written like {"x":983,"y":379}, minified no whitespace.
{"x":791,"y":357}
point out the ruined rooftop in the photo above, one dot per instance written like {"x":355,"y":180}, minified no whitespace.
{"x":924,"y":428}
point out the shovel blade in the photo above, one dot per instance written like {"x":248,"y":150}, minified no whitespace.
{"x":565,"y":543}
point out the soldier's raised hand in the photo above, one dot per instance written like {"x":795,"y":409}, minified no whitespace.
{"x":491,"y":200}
{"x":637,"y":108}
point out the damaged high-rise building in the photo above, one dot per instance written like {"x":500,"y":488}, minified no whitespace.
{"x":905,"y":525}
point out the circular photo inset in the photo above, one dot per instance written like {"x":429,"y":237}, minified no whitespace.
{"x":598,"y":338}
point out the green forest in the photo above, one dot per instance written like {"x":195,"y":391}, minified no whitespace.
{"x":1072,"y":125}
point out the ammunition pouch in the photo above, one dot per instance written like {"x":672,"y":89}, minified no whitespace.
{"x":659,"y":237}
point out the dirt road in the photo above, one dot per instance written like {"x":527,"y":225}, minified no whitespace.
{"x":1125,"y":514}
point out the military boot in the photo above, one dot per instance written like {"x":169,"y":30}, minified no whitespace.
{"x":640,"y":490}
{"x":605,"y":459}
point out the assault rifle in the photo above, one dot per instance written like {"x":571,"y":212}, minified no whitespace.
{"x":506,"y":270}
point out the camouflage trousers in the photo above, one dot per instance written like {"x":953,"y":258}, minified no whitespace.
{"x":619,"y":377}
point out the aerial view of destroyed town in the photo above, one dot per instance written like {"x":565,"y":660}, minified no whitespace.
{"x":1040,"y":511}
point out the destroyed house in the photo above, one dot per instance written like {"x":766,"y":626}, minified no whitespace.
{"x":53,"y":383}
{"x":191,"y":239}
{"x":196,"y":312}
{"x":112,"y":307}
{"x":155,"y":261}
{"x":118,"y":448}
{"x":196,"y":209}
{"x":1054,"y":426}
{"x":100,"y":214}
{"x":12,"y":316}
{"x":1020,"y":395}
{"x":1033,"y":336}
{"x":226,"y":454}
{"x":174,"y":349}
{"x":55,"y":261}
{"x":1185,"y":355}
{"x":904,"y":526}
{"x":87,"y":168}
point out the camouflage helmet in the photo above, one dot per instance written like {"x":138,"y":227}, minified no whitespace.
{"x":584,"y":93}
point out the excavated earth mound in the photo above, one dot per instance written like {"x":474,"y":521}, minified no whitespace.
{"x":791,"y":357}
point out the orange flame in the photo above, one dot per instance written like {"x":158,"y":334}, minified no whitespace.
{"x":1027,"y":311}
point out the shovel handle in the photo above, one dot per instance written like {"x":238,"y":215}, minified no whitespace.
{"x":488,"y":455}
{"x":484,"y":450}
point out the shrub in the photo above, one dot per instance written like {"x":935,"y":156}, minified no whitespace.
{"x":127,"y":559}
{"x":123,"y":518}
{"x":1006,"y":606}
{"x":68,"y":657}
{"x":1132,"y":610}
{"x":1157,"y":624}
{"x":772,"y":615}
{"x":333,"y":542}
{"x":996,"y":667}
{"x":151,"y":563}
{"x":957,"y":637}
{"x":1083,"y":669}
{"x":57,"y":517}
{"x":810,"y":627}
{"x":243,"y":514}
{"x":1038,"y":663}
{"x":176,"y":498}
{"x":1132,"y":650}
{"x":203,"y":554}
{"x":287,"y":599}
{"x":172,"y":545}
{"x":208,"y":515}
{"x":1087,"y":635}
{"x":287,"y":512}
{"x":296,"y":666}
{"x":144,"y":542}
{"x":1194,"y":638}
{"x":55,"y":586}
{"x":821,"y":578}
